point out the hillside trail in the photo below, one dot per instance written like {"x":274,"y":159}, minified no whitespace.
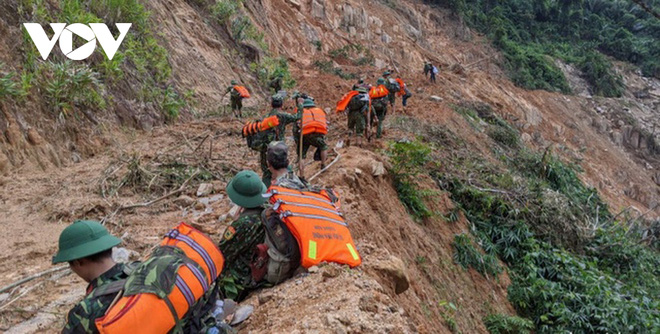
{"x":42,"y":203}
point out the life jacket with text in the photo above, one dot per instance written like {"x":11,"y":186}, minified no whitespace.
{"x":314,"y":220}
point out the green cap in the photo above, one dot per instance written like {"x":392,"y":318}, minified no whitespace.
{"x":380,"y":81}
{"x":362,"y":89}
{"x":234,"y":82}
{"x":245,"y":189}
{"x":83,"y":238}
{"x":386,"y":73}
{"x":308,"y":103}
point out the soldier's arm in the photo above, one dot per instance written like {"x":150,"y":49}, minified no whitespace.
{"x":79,"y":321}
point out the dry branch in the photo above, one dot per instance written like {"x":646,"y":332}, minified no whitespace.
{"x":32,"y":277}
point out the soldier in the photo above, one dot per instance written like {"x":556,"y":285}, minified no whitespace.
{"x":314,"y":129}
{"x":243,"y":235}
{"x":276,"y":83}
{"x":358,"y":107}
{"x":278,"y":163}
{"x":379,"y":106}
{"x":236,"y":96}
{"x":361,"y":83}
{"x":87,"y":247}
{"x":275,"y":134}
{"x":392,"y":87}
{"x":427,"y":69}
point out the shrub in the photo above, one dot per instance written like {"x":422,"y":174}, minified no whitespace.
{"x":467,"y":256}
{"x":67,"y":85}
{"x":504,"y":324}
{"x":408,"y":159}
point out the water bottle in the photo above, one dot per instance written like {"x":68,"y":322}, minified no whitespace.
{"x":218,"y":311}
{"x":213,"y":330}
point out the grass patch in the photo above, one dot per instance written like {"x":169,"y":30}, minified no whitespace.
{"x":408,"y":160}
{"x":328,"y":67}
{"x":271,"y":67}
{"x":504,"y":324}
{"x":468,"y":256}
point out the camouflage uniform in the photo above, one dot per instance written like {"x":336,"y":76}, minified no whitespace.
{"x":380,"y":110}
{"x":357,"y":111}
{"x":235,"y":98}
{"x":272,"y":135}
{"x":81,"y":317}
{"x":276,"y":84}
{"x":392,"y":89}
{"x":237,"y":246}
{"x":427,"y":68}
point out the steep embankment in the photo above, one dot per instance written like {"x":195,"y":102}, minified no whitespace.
{"x":57,"y":169}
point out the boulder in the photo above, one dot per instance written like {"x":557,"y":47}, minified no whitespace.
{"x":394,"y":269}
{"x":377,"y":168}
{"x":318,"y":9}
{"x":386,"y":38}
{"x":435,"y":98}
{"x":184,"y":201}
{"x":204,"y":189}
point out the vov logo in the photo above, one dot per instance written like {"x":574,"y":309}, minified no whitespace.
{"x":92,"y":33}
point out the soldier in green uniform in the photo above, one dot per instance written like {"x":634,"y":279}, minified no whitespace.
{"x":275,"y":134}
{"x":235,"y":98}
{"x":243,"y":235}
{"x":357,"y":107}
{"x":87,"y":247}
{"x":392,"y":87}
{"x":427,"y":69}
{"x":313,"y":139}
{"x":276,"y":83}
{"x":379,"y":106}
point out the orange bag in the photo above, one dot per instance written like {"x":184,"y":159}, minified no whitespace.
{"x":343,"y":103}
{"x":317,"y":225}
{"x":314,"y":121}
{"x":269,"y":123}
{"x":250,"y":128}
{"x":378,"y":92}
{"x":402,"y":89}
{"x":242,"y":91}
{"x":149,"y":313}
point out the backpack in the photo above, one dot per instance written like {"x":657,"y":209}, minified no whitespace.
{"x":242,"y":91}
{"x":315,"y":222}
{"x":378,"y":92}
{"x":393,"y":86}
{"x":314,"y":121}
{"x":343,"y":103}
{"x":256,"y":132}
{"x":176,"y":285}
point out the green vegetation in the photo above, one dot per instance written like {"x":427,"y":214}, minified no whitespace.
{"x":504,"y":324}
{"x":527,"y":32}
{"x":328,"y":67}
{"x":467,"y":256}
{"x":270,"y":67}
{"x":448,"y":313}
{"x":67,"y":86}
{"x":224,"y":9}
{"x":357,"y":53}
{"x":8,"y":85}
{"x":408,"y":160}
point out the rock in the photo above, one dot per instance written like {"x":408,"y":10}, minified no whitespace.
{"x":352,"y":31}
{"x":379,"y":63}
{"x":617,"y":138}
{"x":386,"y":38}
{"x":331,"y":271}
{"x":435,"y":98}
{"x":294,"y":3}
{"x":377,"y":168}
{"x":265,"y":298}
{"x":358,"y":171}
{"x":533,"y":116}
{"x":525,"y":137}
{"x":123,"y":255}
{"x":394,"y":269}
{"x":3,"y":297}
{"x":318,"y":9}
{"x":218,"y":186}
{"x":184,"y":201}
{"x":313,"y":269}
{"x":199,"y":206}
{"x":368,"y":304}
{"x":242,"y":314}
{"x":204,"y":189}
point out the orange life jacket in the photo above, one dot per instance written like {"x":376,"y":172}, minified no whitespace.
{"x":314,"y":121}
{"x":378,"y":92}
{"x":343,"y":103}
{"x":242,"y":91}
{"x":252,"y":127}
{"x":314,"y":220}
{"x":402,"y":89}
{"x":147,"y":313}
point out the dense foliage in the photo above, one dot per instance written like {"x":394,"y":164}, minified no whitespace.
{"x":527,"y":32}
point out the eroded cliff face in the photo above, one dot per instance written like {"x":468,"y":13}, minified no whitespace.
{"x":53,"y":168}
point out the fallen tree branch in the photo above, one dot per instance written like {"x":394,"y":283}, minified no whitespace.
{"x":32,"y":277}
{"x":171,"y":193}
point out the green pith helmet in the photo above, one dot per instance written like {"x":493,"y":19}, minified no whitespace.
{"x":234,"y":82}
{"x":380,"y":81}
{"x":386,"y":73}
{"x":362,"y":90}
{"x":308,"y":103}
{"x":246,"y":188}
{"x":83,"y":238}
